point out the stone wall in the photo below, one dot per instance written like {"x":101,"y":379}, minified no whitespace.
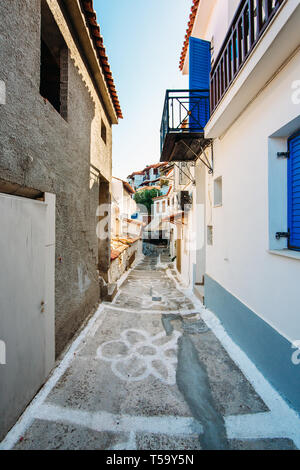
{"x":124,"y":261}
{"x":42,"y":150}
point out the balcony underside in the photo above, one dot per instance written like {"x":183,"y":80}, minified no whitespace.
{"x":180,"y":146}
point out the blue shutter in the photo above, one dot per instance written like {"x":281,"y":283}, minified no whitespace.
{"x":294,"y":192}
{"x":199,"y":77}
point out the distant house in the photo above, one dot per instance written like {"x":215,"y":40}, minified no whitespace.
{"x":136,"y":179}
{"x":126,"y":232}
{"x":123,"y":208}
{"x":149,"y":176}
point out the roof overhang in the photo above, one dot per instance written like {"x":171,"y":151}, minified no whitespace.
{"x":83,"y":36}
{"x":196,"y":28}
{"x":176,"y":218}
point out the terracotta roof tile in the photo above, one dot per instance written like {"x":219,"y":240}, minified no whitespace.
{"x":189,"y":30}
{"x":146,"y":188}
{"x":94,"y":28}
{"x":155,"y":165}
{"x":126,"y":185}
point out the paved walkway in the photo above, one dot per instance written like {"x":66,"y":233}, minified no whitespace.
{"x":149,"y":373}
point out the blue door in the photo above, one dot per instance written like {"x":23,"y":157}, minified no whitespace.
{"x":199,"y":79}
{"x":294,"y":192}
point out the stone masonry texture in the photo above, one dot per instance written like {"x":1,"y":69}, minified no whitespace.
{"x":41,"y":150}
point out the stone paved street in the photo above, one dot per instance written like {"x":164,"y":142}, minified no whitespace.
{"x":149,"y":373}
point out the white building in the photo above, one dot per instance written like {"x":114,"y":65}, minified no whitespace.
{"x":149,"y":176}
{"x":123,"y":207}
{"x":136,"y":179}
{"x":248,"y":208}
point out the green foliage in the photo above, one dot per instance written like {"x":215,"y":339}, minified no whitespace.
{"x":146,"y":197}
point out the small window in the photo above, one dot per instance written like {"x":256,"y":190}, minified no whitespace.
{"x":164,"y":206}
{"x":54,"y":63}
{"x":209,"y":234}
{"x":218,"y":191}
{"x":103,"y":131}
{"x":157,"y":207}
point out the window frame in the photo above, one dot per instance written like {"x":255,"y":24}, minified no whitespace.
{"x":289,"y":193}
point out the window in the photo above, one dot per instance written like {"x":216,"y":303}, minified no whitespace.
{"x":103,"y":131}
{"x":218,"y":191}
{"x":164,"y":206}
{"x":294,"y":192}
{"x":157,"y":207}
{"x":54,"y":63}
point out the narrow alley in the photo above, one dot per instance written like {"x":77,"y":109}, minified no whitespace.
{"x":149,"y":372}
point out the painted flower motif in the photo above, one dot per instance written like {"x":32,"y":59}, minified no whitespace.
{"x":137,"y":354}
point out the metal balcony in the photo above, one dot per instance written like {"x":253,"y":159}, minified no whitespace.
{"x":185,"y":115}
{"x":249,"y":23}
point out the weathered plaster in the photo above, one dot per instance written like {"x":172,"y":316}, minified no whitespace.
{"x":41,"y":150}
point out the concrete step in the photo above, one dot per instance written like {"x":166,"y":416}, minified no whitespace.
{"x":111,"y":292}
{"x":199,"y":292}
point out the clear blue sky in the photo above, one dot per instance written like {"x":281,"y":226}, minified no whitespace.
{"x":143,"y":40}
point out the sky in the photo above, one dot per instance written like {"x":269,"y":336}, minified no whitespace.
{"x":143,"y":41}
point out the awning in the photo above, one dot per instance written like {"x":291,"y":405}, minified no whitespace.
{"x":175,"y":218}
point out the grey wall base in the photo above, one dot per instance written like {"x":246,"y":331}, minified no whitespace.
{"x":271,"y":352}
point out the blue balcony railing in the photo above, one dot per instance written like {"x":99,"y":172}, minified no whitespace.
{"x":185,"y":111}
{"x":250,"y":21}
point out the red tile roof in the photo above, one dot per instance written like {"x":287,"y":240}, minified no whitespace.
{"x":156,"y":165}
{"x":146,"y":188}
{"x":135,"y":173}
{"x":133,"y":221}
{"x":173,"y":217}
{"x":120,"y":244}
{"x":189,"y":30}
{"x":94,"y":28}
{"x":126,"y":185}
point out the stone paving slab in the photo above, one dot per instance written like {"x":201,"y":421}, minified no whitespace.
{"x":143,"y":378}
{"x":47,"y":435}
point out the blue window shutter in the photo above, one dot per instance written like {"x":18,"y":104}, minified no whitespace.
{"x":294,"y":192}
{"x":199,"y":79}
{"x":199,"y":64}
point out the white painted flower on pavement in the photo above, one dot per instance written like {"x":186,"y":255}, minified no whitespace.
{"x":137,"y":354}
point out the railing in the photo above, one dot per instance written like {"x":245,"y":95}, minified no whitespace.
{"x":184,"y":111}
{"x":249,"y":23}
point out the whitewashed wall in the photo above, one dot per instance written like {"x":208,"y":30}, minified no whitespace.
{"x":245,"y":157}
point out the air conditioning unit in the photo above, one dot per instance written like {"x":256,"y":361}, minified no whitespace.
{"x":185,"y":200}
